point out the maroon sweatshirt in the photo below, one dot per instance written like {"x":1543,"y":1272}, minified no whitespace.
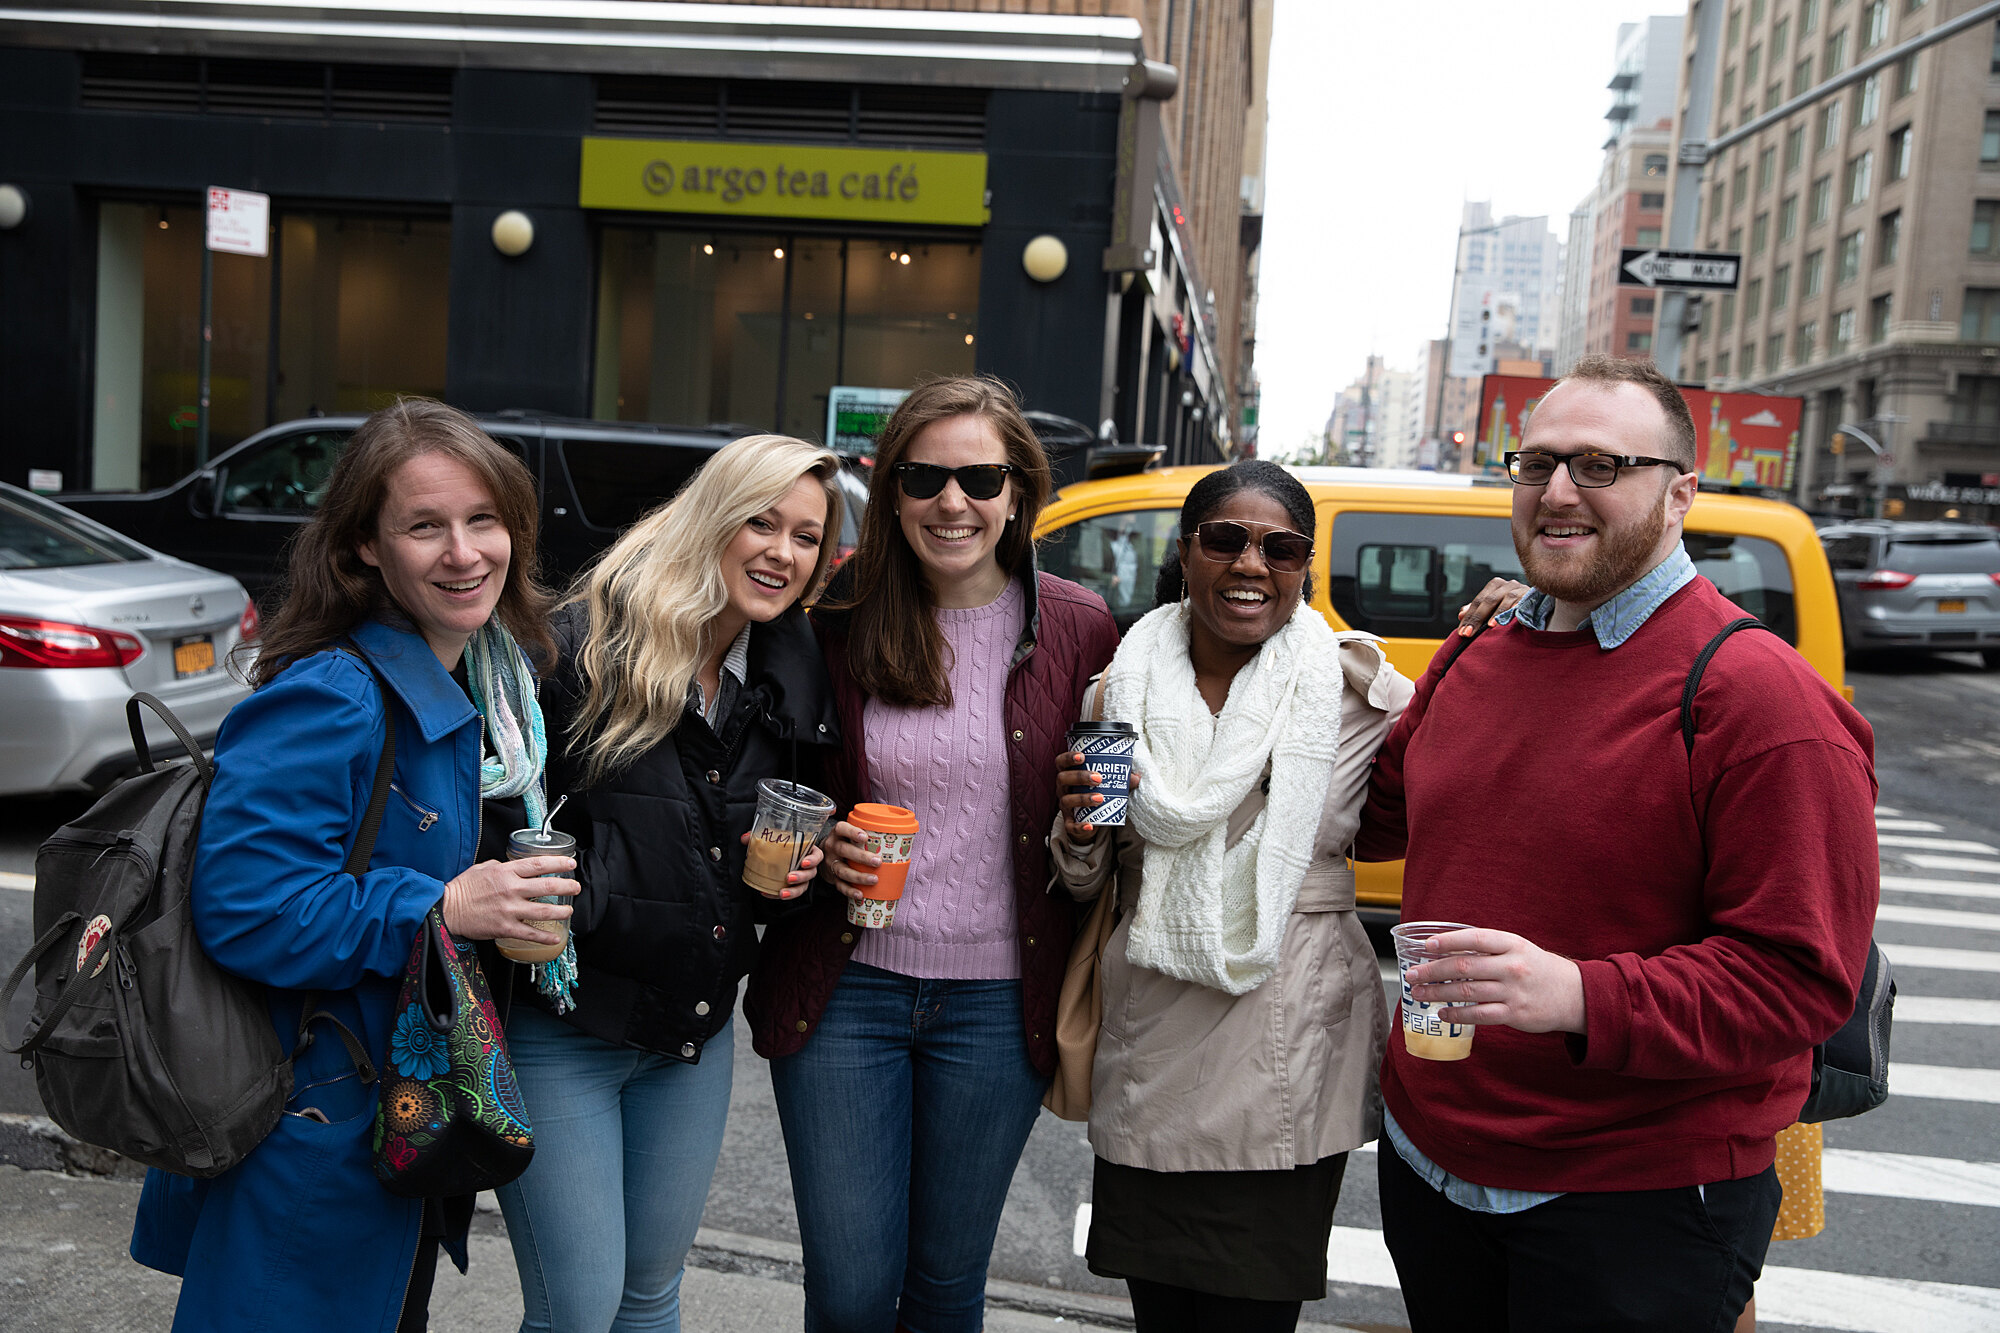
{"x":1720,"y":907}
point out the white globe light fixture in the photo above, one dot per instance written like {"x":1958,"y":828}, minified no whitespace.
{"x":513,"y":233}
{"x":13,"y":207}
{"x":1045,"y":258}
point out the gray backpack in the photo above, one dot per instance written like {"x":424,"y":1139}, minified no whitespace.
{"x":139,"y":1042}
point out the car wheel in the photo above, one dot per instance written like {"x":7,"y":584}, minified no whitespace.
{"x":1991,"y":656}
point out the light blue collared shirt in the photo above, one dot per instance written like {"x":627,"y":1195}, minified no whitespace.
{"x":1618,"y":619}
{"x":1613,"y":623}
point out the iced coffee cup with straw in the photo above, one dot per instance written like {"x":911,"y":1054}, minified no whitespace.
{"x":790,"y":817}
{"x":890,"y":832}
{"x":1426,"y":1035}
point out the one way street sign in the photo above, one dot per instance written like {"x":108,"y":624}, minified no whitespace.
{"x":1699,"y":270}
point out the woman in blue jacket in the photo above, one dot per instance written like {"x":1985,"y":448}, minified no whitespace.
{"x":420,"y":556}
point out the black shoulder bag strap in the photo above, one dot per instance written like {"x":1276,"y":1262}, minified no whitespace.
{"x":1701,"y":665}
{"x":1850,"y":1070}
{"x":357,"y":866}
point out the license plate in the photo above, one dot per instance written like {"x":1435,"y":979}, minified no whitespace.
{"x":194,"y":655}
{"x":1951,"y":604}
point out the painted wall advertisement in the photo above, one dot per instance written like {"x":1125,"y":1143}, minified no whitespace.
{"x":1741,"y":439}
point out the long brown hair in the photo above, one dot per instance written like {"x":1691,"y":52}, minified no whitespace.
{"x":329,"y":589}
{"x":895,"y":650}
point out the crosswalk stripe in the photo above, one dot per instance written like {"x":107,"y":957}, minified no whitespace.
{"x":1944,"y":1009}
{"x":1080,"y":1233}
{"x":10,"y":880}
{"x":1937,"y":916}
{"x":1882,"y":810}
{"x":1358,"y":1255}
{"x":1936,"y":844}
{"x":1844,"y":1301}
{"x":1907,"y":826}
{"x":1954,"y":888}
{"x":1925,"y":861}
{"x":1944,"y":1083}
{"x":1894,"y":1175}
{"x":1950,"y":960}
{"x":1853,"y":1303}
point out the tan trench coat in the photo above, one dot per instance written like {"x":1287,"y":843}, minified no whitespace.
{"x":1188,"y":1078}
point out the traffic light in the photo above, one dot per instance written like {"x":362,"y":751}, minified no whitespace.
{"x":1458,"y":437}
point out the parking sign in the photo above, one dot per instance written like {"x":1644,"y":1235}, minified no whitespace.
{"x":239,"y":222}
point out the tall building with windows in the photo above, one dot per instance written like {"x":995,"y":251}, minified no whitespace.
{"x":1869,"y":225}
{"x":1627,"y":209}
{"x":1515,"y":265}
{"x":735,"y":207}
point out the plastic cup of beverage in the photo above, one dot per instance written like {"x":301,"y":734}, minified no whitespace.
{"x":1425,"y":1035}
{"x":890,"y":832}
{"x":539,"y":842}
{"x":789,"y":820}
{"x":1106,"y":748}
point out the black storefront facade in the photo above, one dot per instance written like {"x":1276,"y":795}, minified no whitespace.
{"x":724,"y":221}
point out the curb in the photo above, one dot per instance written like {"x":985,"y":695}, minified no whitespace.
{"x":37,"y":1143}
{"x":756,"y":1256}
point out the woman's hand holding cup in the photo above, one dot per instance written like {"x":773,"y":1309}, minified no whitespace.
{"x":849,"y":866}
{"x":1077,"y":805}
{"x":495,"y":900}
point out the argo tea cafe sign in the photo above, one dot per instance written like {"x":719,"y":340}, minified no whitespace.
{"x":784,"y":180}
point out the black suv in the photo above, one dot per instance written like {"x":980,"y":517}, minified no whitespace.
{"x":595,"y":478}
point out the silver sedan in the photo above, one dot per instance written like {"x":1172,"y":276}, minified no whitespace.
{"x":87,"y":617}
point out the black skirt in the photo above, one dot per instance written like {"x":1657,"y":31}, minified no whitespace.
{"x":1252,"y":1235}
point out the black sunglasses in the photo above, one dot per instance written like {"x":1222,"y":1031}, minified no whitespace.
{"x":1285,"y":551}
{"x":979,"y":481}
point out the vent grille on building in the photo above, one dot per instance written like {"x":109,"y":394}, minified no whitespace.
{"x":290,"y":90}
{"x":792,"y":112}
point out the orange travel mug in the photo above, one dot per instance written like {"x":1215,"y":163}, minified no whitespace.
{"x":890,"y":832}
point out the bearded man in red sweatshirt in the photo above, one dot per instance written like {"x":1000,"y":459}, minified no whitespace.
{"x":1661,"y":938}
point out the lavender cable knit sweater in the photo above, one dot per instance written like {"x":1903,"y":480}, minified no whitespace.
{"x":949,"y":765}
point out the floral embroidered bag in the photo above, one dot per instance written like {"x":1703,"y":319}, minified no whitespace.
{"x":451,"y":1120}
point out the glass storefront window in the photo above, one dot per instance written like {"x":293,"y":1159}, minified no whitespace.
{"x":360,"y":317}
{"x":149,"y":346}
{"x":362,"y":311}
{"x":696,"y":328}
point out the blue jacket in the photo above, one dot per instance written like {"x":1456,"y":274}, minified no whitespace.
{"x":300,"y":1236}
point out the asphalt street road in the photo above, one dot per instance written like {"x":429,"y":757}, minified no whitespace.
{"x":1912,"y":1189}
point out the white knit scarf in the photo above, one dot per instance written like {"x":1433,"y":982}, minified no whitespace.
{"x":1210,"y":913}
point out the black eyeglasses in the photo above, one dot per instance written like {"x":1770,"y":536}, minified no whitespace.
{"x":979,"y":481}
{"x":1285,"y":551}
{"x":1589,"y":470}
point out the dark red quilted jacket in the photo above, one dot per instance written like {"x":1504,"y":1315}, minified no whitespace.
{"x":1069,"y":637}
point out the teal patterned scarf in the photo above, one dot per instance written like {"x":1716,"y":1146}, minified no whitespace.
{"x":503,"y":689}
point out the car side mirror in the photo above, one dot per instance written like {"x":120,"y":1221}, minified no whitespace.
{"x":1399,"y":583}
{"x":201,"y":496}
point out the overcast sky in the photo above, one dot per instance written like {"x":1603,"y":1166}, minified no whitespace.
{"x":1383,"y":118}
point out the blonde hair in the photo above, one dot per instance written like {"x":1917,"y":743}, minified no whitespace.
{"x":654,"y":596}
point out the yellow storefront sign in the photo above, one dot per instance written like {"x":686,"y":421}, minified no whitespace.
{"x":784,"y":181}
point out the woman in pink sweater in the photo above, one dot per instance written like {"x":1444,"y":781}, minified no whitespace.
{"x":909,"y":1061}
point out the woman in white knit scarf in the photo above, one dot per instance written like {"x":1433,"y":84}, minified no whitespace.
{"x":1243,"y":1022}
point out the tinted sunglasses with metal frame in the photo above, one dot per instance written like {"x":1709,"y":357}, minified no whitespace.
{"x":979,"y":481}
{"x":1589,"y":469}
{"x":1284,"y":551}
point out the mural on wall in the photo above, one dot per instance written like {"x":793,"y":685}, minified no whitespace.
{"x":1741,"y":439}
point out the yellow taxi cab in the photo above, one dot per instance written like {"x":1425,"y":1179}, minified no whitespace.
{"x":1397,"y":553}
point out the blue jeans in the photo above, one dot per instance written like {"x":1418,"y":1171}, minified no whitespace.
{"x":904,"y":1116}
{"x":625,"y":1146}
